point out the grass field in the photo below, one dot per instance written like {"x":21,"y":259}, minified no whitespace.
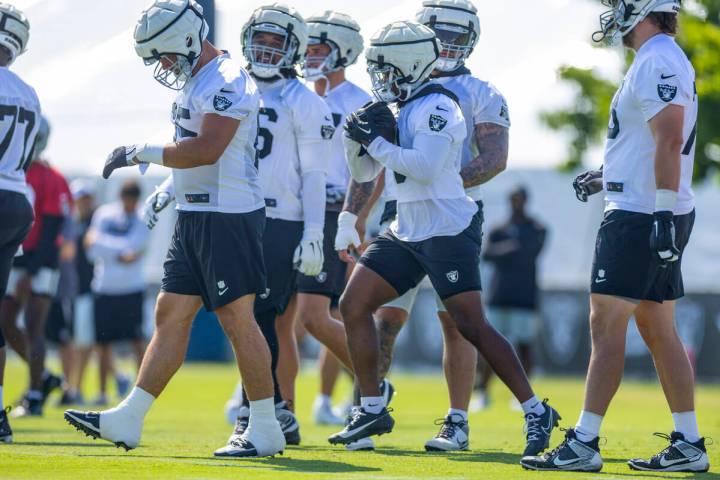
{"x":186,"y":424}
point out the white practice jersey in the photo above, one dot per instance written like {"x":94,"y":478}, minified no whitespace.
{"x":19,"y":123}
{"x":480,"y":102}
{"x":660,"y":75}
{"x":296,"y":130}
{"x":440,"y":207}
{"x":342,"y":100}
{"x":231,"y":185}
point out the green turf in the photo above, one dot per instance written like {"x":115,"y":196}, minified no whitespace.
{"x":186,"y":424}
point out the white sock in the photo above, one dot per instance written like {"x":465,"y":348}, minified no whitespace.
{"x":138,"y":403}
{"x":534,"y":405}
{"x":456,"y":411}
{"x":685,"y":423}
{"x":322,"y":399}
{"x":588,"y":426}
{"x":372,"y":404}
{"x":262,"y":410}
{"x":2,"y":405}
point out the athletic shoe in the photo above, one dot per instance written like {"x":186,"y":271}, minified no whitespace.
{"x":115,"y":426}
{"x":323,"y":413}
{"x":122,"y":384}
{"x":679,"y":456}
{"x":480,"y":401}
{"x":363,"y":445}
{"x":387,"y":391}
{"x":50,"y":383}
{"x":288,"y":423}
{"x":571,"y":455}
{"x":241,"y":423}
{"x":256,"y":441}
{"x":539,"y":428}
{"x":454,"y":434}
{"x":364,"y":424}
{"x":29,"y":407}
{"x":70,"y":398}
{"x":5,"y":430}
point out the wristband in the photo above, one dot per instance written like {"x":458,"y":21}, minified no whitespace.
{"x":150,"y":153}
{"x":665,"y":200}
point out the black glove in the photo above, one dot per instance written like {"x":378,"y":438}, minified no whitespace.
{"x":119,"y":158}
{"x":588,"y":183}
{"x":662,"y":237}
{"x":373,"y":120}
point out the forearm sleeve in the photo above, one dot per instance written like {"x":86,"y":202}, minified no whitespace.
{"x":423,"y":162}
{"x":362,"y":166}
{"x":313,"y":199}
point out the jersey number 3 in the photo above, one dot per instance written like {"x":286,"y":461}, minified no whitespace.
{"x":19,"y":116}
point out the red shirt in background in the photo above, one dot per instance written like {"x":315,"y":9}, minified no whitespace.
{"x":50,"y":195}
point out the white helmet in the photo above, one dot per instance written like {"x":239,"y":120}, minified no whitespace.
{"x":400,"y":58}
{"x":14,"y":31}
{"x":173,"y":30}
{"x":267,"y":61}
{"x":624,"y":15}
{"x":457,"y":26}
{"x":342,"y":34}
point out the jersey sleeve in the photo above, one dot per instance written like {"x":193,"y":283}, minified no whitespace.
{"x":490,"y":106}
{"x":659,"y":82}
{"x":439,"y":115}
{"x":314,"y":130}
{"x":237,"y":99}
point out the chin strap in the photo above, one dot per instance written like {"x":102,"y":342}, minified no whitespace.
{"x":461,"y":70}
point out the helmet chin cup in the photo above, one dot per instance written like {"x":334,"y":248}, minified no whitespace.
{"x":448,"y":64}
{"x":265,"y":71}
{"x":313,"y":74}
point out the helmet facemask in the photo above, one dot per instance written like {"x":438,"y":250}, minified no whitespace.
{"x":612,"y":21}
{"x":388,"y":83}
{"x":457,"y":45}
{"x":172,"y":70}
{"x":316,"y":67}
{"x":270,"y":48}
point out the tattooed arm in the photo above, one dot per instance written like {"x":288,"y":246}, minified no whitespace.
{"x":492,"y":141}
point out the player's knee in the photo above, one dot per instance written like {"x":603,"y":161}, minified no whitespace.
{"x":350,"y":305}
{"x":168,"y":315}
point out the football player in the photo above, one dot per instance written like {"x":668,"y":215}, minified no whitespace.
{"x":293,"y":149}
{"x":649,"y":214}
{"x":436,"y":232}
{"x":19,"y":122}
{"x":216,"y":253}
{"x":484,"y":155}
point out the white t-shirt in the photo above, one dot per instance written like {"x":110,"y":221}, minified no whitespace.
{"x":231,"y":185}
{"x":480,"y":102}
{"x":440,"y":207}
{"x":660,"y":75}
{"x":342,"y":100}
{"x":19,"y":124}
{"x":296,"y":130}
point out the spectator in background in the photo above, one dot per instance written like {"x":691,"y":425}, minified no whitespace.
{"x":115,"y":243}
{"x":513,"y":249}
{"x":34,"y":277}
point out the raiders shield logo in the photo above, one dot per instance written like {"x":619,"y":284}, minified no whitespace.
{"x":437,"y":122}
{"x":453,"y":276}
{"x":221,"y":103}
{"x":667,"y":92}
{"x":327,"y":132}
{"x":321,"y":277}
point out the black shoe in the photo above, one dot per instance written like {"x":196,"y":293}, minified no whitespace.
{"x":289,"y":424}
{"x":571,"y":455}
{"x":539,"y":428}
{"x":364,"y":424}
{"x":5,"y":430}
{"x":50,"y":383}
{"x":70,"y":398}
{"x":454,"y":434}
{"x":679,"y":456}
{"x":29,"y":407}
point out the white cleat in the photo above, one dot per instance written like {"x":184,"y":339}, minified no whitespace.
{"x":454,"y":435}
{"x":114,"y":426}
{"x":324,"y":415}
{"x":258,"y":440}
{"x":364,"y":444}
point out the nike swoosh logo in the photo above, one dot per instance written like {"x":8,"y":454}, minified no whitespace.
{"x":363,"y":130}
{"x":563,"y":463}
{"x":600,"y":280}
{"x":222,"y":90}
{"x":442,"y":109}
{"x":665,"y":77}
{"x":222,"y":292}
{"x":667,"y":463}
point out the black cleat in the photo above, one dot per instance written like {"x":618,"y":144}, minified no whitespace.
{"x":89,"y":424}
{"x":50,"y":383}
{"x":571,"y":455}
{"x":289,"y":424}
{"x":679,"y":456}
{"x":5,"y":430}
{"x":364,"y":424}
{"x":29,"y":407}
{"x":539,"y":428}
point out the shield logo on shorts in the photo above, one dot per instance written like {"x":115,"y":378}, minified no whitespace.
{"x":436,"y":123}
{"x":453,"y":276}
{"x":327,"y":131}
{"x":321,"y":277}
{"x":667,"y":92}
{"x":221,"y":103}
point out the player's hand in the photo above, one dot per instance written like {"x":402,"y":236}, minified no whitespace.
{"x":154,"y":204}
{"x":373,"y":120}
{"x":662,"y":237}
{"x":121,"y":157}
{"x":588,"y":183}
{"x":308,"y":258}
{"x":129,"y":257}
{"x":347,"y":236}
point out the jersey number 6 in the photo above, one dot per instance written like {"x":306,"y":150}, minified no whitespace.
{"x":263,"y":144}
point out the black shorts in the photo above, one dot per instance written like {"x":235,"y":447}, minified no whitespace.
{"x":624,"y":265}
{"x":118,"y":317}
{"x":217,"y":256}
{"x":59,"y":323}
{"x":280,"y":240}
{"x":451,"y":262}
{"x":331,"y":281}
{"x":17,"y":217}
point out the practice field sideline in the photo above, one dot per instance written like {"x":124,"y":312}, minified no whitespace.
{"x":187,"y":424}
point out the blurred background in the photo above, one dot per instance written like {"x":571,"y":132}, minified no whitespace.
{"x":97,"y":94}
